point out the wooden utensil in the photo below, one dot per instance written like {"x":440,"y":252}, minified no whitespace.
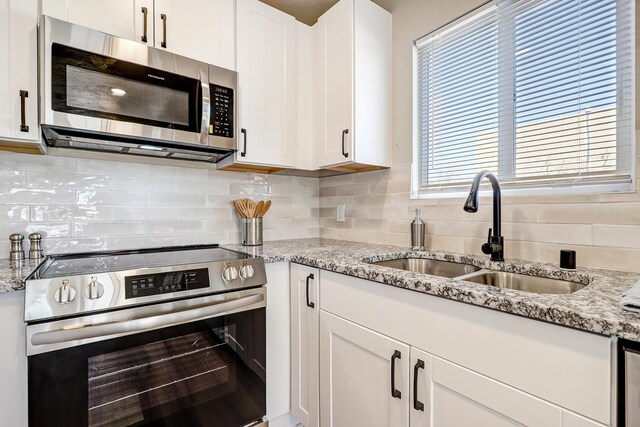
{"x":264,"y":209}
{"x":251,"y":208}
{"x":259,"y":208}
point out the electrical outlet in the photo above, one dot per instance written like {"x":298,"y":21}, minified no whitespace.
{"x":340,"y":213}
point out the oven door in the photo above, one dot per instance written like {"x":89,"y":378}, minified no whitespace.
{"x":96,"y":82}
{"x":195,"y":362}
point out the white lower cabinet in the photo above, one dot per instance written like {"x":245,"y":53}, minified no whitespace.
{"x":445,"y":394}
{"x":372,"y":369}
{"x":305,"y":374}
{"x":364,"y":377}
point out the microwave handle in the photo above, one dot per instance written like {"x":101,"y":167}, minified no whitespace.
{"x":206,"y":106}
{"x":128,"y":327}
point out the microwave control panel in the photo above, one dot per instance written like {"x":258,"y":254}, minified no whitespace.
{"x":164,"y":283}
{"x":221,"y":111}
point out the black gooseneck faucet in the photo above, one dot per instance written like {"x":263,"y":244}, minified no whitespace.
{"x":495,"y":241}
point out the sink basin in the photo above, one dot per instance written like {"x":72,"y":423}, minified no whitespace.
{"x":521,"y":282}
{"x":429,"y":266}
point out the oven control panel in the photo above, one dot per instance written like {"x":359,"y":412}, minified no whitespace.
{"x":164,"y":283}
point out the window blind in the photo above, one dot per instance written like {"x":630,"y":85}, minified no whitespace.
{"x":538,"y":91}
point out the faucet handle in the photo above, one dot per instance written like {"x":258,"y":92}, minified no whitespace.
{"x":489,"y":247}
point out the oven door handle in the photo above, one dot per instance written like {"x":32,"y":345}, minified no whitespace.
{"x":128,"y":327}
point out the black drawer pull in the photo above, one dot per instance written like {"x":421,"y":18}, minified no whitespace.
{"x":417,"y":405}
{"x":394,"y":392}
{"x":309,"y":303}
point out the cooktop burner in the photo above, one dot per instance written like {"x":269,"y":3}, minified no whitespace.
{"x":74,"y":284}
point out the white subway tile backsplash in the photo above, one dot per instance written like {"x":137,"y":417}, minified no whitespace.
{"x":144,"y":213}
{"x":92,"y":204}
{"x":63,"y":213}
{"x":11,"y":178}
{"x":52,"y":196}
{"x":622,"y":236}
{"x":151,"y":185}
{"x":66,"y":180}
{"x":112,"y":198}
{"x":112,"y":168}
{"x":107,"y":228}
{"x":9,"y":213}
{"x":177,"y":200}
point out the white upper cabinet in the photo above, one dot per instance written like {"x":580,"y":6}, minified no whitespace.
{"x":18,"y":70}
{"x":267,"y":86}
{"x":354,"y":48}
{"x":199,"y":29}
{"x":122,"y":18}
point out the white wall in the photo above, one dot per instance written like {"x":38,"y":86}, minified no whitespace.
{"x":87,"y":204}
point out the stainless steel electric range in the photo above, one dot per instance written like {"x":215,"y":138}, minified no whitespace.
{"x":168,"y":336}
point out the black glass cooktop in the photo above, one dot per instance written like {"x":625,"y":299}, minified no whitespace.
{"x":105,"y":262}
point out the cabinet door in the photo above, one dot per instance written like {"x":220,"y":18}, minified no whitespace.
{"x":336,"y":51}
{"x":305,"y":373}
{"x":267,"y":85}
{"x":455,"y":396}
{"x":122,"y":18}
{"x":18,"y":69}
{"x":364,"y":377}
{"x":199,"y":29}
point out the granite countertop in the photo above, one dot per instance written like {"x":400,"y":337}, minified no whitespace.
{"x":595,"y":308}
{"x":12,"y":274}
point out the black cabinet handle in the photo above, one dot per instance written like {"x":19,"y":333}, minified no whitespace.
{"x":23,"y":113}
{"x":244,"y":150}
{"x":145,"y":12}
{"x":164,"y":30}
{"x":417,"y":405}
{"x":344,"y":133}
{"x":395,"y":393}
{"x":309,"y":303}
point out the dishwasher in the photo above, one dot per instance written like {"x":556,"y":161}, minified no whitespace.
{"x":627,"y":388}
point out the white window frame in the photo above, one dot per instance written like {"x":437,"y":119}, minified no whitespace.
{"x":596,"y":188}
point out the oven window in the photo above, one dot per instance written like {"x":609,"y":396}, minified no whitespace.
{"x":208,"y":373}
{"x":93,"y":85}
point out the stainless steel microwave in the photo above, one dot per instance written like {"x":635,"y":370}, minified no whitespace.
{"x":105,"y":93}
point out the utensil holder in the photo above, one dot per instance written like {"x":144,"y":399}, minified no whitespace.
{"x":251,"y":231}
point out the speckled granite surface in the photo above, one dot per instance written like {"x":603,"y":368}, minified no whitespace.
{"x":593,"y":308}
{"x":12,"y":275}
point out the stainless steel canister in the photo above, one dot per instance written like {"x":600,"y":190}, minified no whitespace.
{"x":251,"y":231}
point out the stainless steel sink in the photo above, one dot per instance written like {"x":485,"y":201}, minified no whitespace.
{"x":429,"y":266}
{"x":521,"y":282}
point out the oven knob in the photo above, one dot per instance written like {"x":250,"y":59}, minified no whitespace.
{"x":230,"y":273}
{"x":94,"y":289}
{"x":65,"y":293}
{"x":246,"y":272}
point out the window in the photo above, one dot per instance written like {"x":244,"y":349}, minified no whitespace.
{"x":540,"y":92}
